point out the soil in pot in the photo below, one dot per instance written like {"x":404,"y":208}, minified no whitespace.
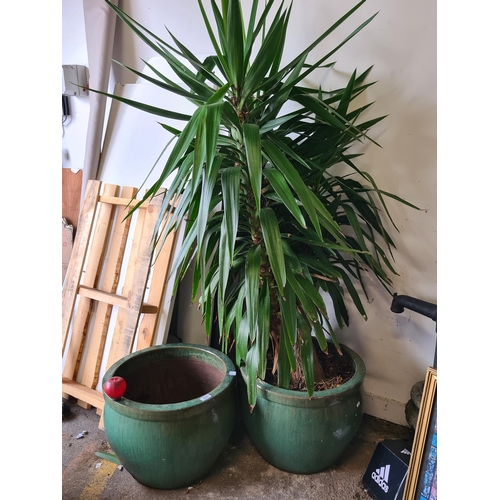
{"x":178,"y":380}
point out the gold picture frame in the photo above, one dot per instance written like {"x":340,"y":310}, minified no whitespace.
{"x":421,"y":482}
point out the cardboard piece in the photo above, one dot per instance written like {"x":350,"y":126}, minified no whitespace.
{"x":67,"y":245}
{"x":385,"y":476}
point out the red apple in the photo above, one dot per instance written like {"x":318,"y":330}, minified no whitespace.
{"x":115,"y":387}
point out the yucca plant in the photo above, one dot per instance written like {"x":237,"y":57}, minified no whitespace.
{"x":271,"y":221}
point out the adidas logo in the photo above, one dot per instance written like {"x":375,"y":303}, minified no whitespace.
{"x":405,"y":452}
{"x":381,"y":477}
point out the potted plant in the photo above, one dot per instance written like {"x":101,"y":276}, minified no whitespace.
{"x":273,"y":224}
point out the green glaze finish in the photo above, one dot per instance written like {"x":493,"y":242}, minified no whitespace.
{"x":169,"y":446}
{"x":302,"y":435}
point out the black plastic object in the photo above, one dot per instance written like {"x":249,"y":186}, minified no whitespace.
{"x":65,"y":105}
{"x":400,"y":302}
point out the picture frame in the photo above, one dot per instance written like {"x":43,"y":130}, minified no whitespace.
{"x":421,"y":482}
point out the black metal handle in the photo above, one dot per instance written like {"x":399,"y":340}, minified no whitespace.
{"x":399,"y":302}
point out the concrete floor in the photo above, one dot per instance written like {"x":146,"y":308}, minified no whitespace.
{"x":241,"y":473}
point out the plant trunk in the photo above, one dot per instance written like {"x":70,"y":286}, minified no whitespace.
{"x":297,"y":380}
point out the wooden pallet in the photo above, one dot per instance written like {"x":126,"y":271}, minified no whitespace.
{"x":101,"y":250}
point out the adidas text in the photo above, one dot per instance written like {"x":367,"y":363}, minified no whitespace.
{"x":381,"y":476}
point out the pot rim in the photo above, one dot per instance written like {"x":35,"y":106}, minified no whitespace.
{"x":149,"y":411}
{"x":291,"y":397}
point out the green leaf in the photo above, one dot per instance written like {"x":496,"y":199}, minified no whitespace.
{"x":220,"y":56}
{"x":353,"y":220}
{"x":108,"y":456}
{"x":166,"y":84}
{"x":306,"y":354}
{"x":279,"y":184}
{"x":251,"y":140}
{"x":311,"y":291}
{"x":293,"y":178}
{"x":165,"y":113}
{"x":221,"y":23}
{"x":305,"y":302}
{"x":314,"y":105}
{"x":240,"y":301}
{"x":218,"y":96}
{"x":276,"y":101}
{"x":252,"y":276}
{"x":230,"y":306}
{"x":322,"y":265}
{"x":182,"y":144}
{"x":235,"y":56}
{"x":204,"y":68}
{"x":333,"y":337}
{"x":263,"y":330}
{"x":284,"y":364}
{"x":200,"y":150}
{"x":264,"y":58}
{"x":230,"y":180}
{"x":291,"y":258}
{"x":207,"y":187}
{"x":318,"y":40}
{"x":224,"y":266}
{"x":251,"y":365}
{"x":320,"y":335}
{"x":242,"y":338}
{"x":250,"y":34}
{"x":160,"y":47}
{"x":354,"y":294}
{"x":263,"y":17}
{"x":315,"y":241}
{"x":207,"y":313}
{"x":274,"y":247}
{"x":330,"y":116}
{"x":278,"y":49}
{"x":288,"y":310}
{"x":183,"y":253}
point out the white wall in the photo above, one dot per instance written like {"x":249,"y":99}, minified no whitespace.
{"x":401,"y":44}
{"x":74,"y":52}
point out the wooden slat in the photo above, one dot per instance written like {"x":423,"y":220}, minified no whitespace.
{"x":111,"y":274}
{"x":119,"y":338}
{"x":123,"y":200}
{"x":135,"y":282}
{"x":75,"y":267}
{"x":147,"y":329}
{"x":113,"y":299}
{"x":94,"y":261}
{"x":106,"y":297}
{"x":79,"y":391}
{"x":148,"y":309}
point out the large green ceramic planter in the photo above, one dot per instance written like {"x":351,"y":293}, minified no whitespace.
{"x":302,"y":435}
{"x":176,"y":415}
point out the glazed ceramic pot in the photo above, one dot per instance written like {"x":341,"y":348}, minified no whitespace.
{"x":176,"y":415}
{"x":304,"y":435}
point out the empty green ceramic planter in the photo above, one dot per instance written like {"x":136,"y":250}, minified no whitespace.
{"x":305,"y":435}
{"x":176,"y":415}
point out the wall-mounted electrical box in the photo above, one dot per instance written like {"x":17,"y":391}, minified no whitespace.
{"x":74,"y":80}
